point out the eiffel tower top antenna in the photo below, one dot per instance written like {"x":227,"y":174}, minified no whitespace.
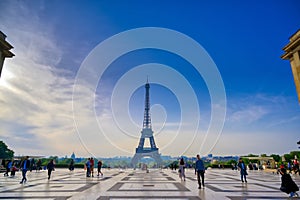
{"x":147,"y":117}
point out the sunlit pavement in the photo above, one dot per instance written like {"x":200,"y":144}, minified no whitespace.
{"x":138,"y":184}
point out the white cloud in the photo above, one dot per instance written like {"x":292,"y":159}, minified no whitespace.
{"x":38,"y":100}
{"x":248,"y":114}
{"x":36,"y":97}
{"x":251,"y":108}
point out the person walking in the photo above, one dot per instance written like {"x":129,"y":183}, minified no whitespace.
{"x":287,"y":184}
{"x":92,"y":163}
{"x":38,"y":165}
{"x":243,"y":170}
{"x":181,"y":169}
{"x":8,"y":167}
{"x":99,"y":165}
{"x":32,"y":164}
{"x":296,"y":166}
{"x":25,"y":165}
{"x":50,"y":168}
{"x":88,"y":168}
{"x":13,"y":170}
{"x":71,"y":166}
{"x":289,"y":166}
{"x":199,"y":171}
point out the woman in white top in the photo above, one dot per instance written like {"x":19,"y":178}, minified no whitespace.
{"x":182,"y":169}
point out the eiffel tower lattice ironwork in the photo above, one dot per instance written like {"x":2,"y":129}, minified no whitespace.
{"x":147,"y":133}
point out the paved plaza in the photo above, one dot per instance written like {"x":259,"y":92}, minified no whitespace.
{"x":137,"y":184}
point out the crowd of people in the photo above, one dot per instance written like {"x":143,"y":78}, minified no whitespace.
{"x":26,"y":164}
{"x":89,"y":167}
{"x":287,"y":184}
{"x":293,"y":166}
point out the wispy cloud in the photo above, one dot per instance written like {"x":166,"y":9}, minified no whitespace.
{"x":253,"y":107}
{"x":285,"y":121}
{"x":36,"y":95}
{"x":248,"y":114}
{"x":262,"y":114}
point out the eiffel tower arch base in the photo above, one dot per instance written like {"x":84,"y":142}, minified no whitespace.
{"x":138,"y":156}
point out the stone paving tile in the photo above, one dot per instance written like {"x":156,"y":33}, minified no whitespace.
{"x":136,"y":184}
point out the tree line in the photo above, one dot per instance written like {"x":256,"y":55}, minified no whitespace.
{"x":6,"y":153}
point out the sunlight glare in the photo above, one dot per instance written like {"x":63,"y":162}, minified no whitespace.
{"x":6,"y":75}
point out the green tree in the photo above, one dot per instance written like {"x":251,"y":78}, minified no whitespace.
{"x":55,"y":159}
{"x":288,"y":157}
{"x":247,"y":161}
{"x":295,"y":153}
{"x":230,"y":162}
{"x":65,"y":161}
{"x":276,"y":157}
{"x":5,"y":152}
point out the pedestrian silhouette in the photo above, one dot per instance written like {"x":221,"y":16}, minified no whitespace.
{"x":287,"y":184}
{"x":243,"y":170}
{"x":25,"y":165}
{"x":181,"y":169}
{"x":50,"y":168}
{"x":200,"y":170}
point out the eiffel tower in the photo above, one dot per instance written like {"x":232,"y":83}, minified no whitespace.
{"x":147,"y":133}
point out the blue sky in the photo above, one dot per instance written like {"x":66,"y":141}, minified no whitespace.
{"x":55,"y":102}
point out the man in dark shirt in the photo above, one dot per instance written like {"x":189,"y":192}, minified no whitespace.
{"x":200,"y":170}
{"x":25,"y":165}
